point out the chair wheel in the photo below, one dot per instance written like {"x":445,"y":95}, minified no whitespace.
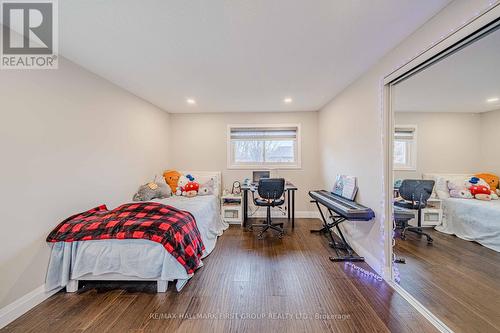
{"x":260,"y":237}
{"x":429,"y":241}
{"x":250,"y":228}
{"x":280,"y":235}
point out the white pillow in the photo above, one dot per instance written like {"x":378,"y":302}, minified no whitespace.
{"x":441,"y":188}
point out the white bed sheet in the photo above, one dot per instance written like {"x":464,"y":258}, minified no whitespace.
{"x":134,"y":258}
{"x":472,"y":220}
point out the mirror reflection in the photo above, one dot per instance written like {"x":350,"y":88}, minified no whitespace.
{"x":446,"y":167}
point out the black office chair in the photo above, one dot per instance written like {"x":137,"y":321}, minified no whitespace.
{"x":270,"y":195}
{"x":415,"y":192}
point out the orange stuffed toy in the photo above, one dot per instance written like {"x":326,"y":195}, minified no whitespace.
{"x":491,"y":179}
{"x":172,"y":178}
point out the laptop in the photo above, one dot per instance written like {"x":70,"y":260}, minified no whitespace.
{"x":258,"y":175}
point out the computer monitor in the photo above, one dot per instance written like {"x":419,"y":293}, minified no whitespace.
{"x":258,"y":175}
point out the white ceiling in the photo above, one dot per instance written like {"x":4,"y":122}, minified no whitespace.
{"x":235,"y":55}
{"x":462,"y":82}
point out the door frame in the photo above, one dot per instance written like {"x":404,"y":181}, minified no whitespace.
{"x":437,"y":50}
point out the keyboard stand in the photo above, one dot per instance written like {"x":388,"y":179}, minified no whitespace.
{"x":326,"y":226}
{"x":339,"y":245}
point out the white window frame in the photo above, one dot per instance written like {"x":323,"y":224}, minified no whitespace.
{"x":264,"y":166}
{"x":411,"y":164}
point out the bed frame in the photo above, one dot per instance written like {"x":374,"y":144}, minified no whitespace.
{"x":161,"y":285}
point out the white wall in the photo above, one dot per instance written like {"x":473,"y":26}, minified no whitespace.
{"x":70,"y":141}
{"x":199,"y":142}
{"x":447,"y":142}
{"x":350,"y":127}
{"x":490,"y":142}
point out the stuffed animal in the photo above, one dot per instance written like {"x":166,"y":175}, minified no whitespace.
{"x":478,"y":188}
{"x":163,"y":188}
{"x":461,"y":194}
{"x":480,"y":192}
{"x":489,"y":178}
{"x":172,"y":179}
{"x":492,"y":181}
{"x":183,"y":180}
{"x":145,"y":193}
{"x":479,"y":182}
{"x":151,"y":191}
{"x":458,"y":189}
{"x":191,"y":189}
{"x":476,"y":181}
{"x":207,"y":188}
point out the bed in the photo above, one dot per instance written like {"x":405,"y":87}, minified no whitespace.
{"x":472,"y":220}
{"x":136,"y":259}
{"x":468,"y":219}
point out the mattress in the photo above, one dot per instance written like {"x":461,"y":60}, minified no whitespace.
{"x":472,"y":220}
{"x":134,"y":258}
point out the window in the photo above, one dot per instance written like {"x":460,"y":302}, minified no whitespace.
{"x":274,"y":146}
{"x":405,"y":147}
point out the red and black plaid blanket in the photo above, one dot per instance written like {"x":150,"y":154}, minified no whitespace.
{"x":175,"y":229}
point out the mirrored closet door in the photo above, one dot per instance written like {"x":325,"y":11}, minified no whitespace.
{"x":446,"y":164}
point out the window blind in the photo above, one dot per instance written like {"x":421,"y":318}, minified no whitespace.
{"x":270,"y":133}
{"x":404,"y":133}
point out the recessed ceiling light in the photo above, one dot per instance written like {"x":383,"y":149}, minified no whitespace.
{"x":288,"y":100}
{"x":492,"y":100}
{"x":190,"y":101}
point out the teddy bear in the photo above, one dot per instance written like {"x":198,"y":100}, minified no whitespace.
{"x":191,"y":189}
{"x":493,"y":183}
{"x":172,"y":179}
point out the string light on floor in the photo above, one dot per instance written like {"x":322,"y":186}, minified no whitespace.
{"x":364,"y":271}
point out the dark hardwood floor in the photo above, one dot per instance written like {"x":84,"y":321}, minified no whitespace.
{"x":459,"y":281}
{"x":246,"y":285}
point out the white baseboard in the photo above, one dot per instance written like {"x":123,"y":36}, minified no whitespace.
{"x":308,"y":214}
{"x":22,"y":305}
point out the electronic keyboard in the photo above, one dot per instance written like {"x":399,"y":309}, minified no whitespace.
{"x":340,"y":209}
{"x":348,"y":209}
